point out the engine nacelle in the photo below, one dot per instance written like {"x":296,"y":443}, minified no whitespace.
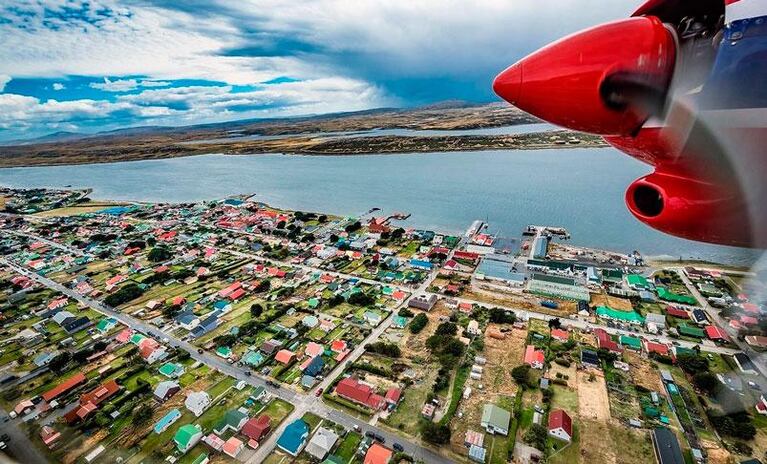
{"x":605,"y":80}
{"x":691,"y":209}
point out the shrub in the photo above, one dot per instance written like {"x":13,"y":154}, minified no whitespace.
{"x":418,"y":323}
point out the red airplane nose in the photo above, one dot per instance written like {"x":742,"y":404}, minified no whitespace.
{"x":595,"y":80}
{"x":508,"y":84}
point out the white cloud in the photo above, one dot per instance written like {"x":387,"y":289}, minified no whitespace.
{"x":4,"y":79}
{"x":121,"y":85}
{"x":58,"y":86}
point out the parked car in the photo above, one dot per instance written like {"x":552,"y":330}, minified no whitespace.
{"x":370,"y":434}
{"x":398,"y":447}
{"x":318,"y":392}
{"x":380,"y":438}
{"x":356,"y":428}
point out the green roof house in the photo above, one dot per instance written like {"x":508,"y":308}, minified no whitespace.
{"x":690,"y":331}
{"x":495,"y":419}
{"x":630,"y":342}
{"x":233,"y":420}
{"x":630,"y":317}
{"x":171,"y":370}
{"x":224,"y":351}
{"x":637,"y":282}
{"x":186,"y":437}
{"x":664,"y":294}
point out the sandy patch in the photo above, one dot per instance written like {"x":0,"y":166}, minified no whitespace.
{"x":643,"y":373}
{"x":614,"y":302}
{"x":593,"y":402}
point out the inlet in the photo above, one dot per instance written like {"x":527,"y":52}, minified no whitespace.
{"x":648,"y":201}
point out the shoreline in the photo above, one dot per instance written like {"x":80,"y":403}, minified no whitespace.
{"x":82,"y":153}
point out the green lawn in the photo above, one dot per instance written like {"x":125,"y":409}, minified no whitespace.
{"x":348,"y":446}
{"x":312,"y":419}
{"x":278,"y":410}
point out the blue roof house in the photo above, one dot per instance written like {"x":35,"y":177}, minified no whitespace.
{"x":421,"y":264}
{"x":294,"y":437}
{"x":167,"y":420}
{"x":315,"y":367}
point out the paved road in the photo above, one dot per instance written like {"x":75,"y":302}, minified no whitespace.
{"x":20,"y":446}
{"x":64,"y":248}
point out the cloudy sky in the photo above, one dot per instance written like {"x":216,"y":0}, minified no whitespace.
{"x":87,"y":66}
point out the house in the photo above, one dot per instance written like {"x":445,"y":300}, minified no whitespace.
{"x":151,"y":351}
{"x":284,"y":356}
{"x":666,"y":447}
{"x":473,"y":327}
{"x":590,"y":359}
{"x":761,"y":405}
{"x":677,"y":312}
{"x":91,"y":400}
{"x":171,"y":370}
{"x":106,"y":324}
{"x":165,"y":390}
{"x":534,"y":357}
{"x":756,"y":341}
{"x":64,"y":387}
{"x":49,"y":436}
{"x":393,"y":395}
{"x":214,"y":441}
{"x":167,"y":420}
{"x":293,"y":439}
{"x":604,"y":340}
{"x":358,"y":392}
{"x":197,"y":402}
{"x":313,"y":349}
{"x":187,"y":436}
{"x":257,"y":428}
{"x":378,"y":454}
{"x":233,"y":419}
{"x":372,"y":318}
{"x":560,"y":335}
{"x":658,"y":319}
{"x":495,"y":420}
{"x":698,"y":316}
{"x":560,"y":425}
{"x":654,"y":347}
{"x":339,"y":346}
{"x":428,"y":410}
{"x":188,"y":320}
{"x":269,"y":346}
{"x":423,"y":301}
{"x":744,"y":363}
{"x":313,"y":366}
{"x":715,"y":333}
{"x":232,"y":447}
{"x":321,"y":443}
{"x":310,"y":321}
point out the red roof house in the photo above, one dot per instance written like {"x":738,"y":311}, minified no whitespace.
{"x":715,"y":333}
{"x":560,"y":425}
{"x":352,"y":389}
{"x":378,"y":454}
{"x":653,"y":347}
{"x":533,"y":357}
{"x":677,"y":312}
{"x":64,"y":387}
{"x":559,"y":334}
{"x":257,"y":427}
{"x":284,"y":356}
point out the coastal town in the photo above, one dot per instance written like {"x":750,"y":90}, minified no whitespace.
{"x":234,"y":331}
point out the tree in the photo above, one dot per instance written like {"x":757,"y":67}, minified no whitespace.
{"x":446,"y":328}
{"x":521,"y":375}
{"x":692,"y":363}
{"x":142,"y":415}
{"x":706,"y":382}
{"x":58,"y":363}
{"x":502,"y":316}
{"x":418,"y":323}
{"x":159,"y":253}
{"x":435,"y":433}
{"x":256,"y":310}
{"x":361,"y":299}
{"x":536,"y":436}
{"x":555,"y":323}
{"x":404,"y":312}
{"x":263,"y":286}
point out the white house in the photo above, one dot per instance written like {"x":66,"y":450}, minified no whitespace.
{"x":197,"y":402}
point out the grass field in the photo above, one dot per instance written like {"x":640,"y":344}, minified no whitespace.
{"x":348,"y":446}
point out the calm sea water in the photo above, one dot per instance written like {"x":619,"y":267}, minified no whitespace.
{"x":581,"y":189}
